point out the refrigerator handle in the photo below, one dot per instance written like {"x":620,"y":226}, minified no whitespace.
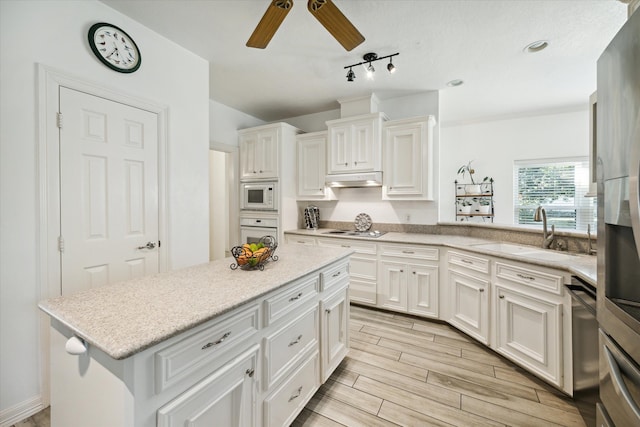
{"x":634,"y":188}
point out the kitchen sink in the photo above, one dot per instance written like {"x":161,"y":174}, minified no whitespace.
{"x":355,"y":233}
{"x":528,"y":251}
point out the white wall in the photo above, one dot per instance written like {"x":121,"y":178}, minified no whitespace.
{"x":54,"y":33}
{"x":224,"y":123}
{"x":218,"y":205}
{"x":494,"y":145}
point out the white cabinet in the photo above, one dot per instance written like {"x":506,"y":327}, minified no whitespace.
{"x":259,"y":153}
{"x":267,"y":152}
{"x":355,"y":144}
{"x":468,"y":288}
{"x":363,"y":267}
{"x":334,"y":330}
{"x":408,"y":279}
{"x":227,"y":397}
{"x":311,"y":151}
{"x":529,"y":318}
{"x":529,"y":331}
{"x":408,"y":159}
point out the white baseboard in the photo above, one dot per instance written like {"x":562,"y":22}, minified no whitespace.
{"x":21,"y":411}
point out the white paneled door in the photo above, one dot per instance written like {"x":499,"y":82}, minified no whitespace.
{"x":108,"y":191}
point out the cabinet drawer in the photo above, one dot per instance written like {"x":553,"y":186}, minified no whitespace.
{"x":200,"y":350}
{"x":359,"y":247}
{"x":531,"y":278}
{"x":337,"y":275}
{"x":284,"y":348}
{"x":301,"y":240}
{"x":410,"y":252}
{"x":291,"y":299}
{"x":286,"y":402}
{"x":469,"y":261}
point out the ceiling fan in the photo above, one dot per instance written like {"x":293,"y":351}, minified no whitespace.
{"x":324,"y":11}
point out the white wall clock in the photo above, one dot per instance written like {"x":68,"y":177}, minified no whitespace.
{"x":114,"y":47}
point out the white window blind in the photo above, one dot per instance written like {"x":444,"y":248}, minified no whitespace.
{"x":559,"y":185}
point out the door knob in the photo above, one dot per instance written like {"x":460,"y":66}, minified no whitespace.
{"x":149,"y":245}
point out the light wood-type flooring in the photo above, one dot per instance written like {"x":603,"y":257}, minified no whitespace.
{"x":407,"y":371}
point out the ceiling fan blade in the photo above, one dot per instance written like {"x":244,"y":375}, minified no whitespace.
{"x":269,"y":23}
{"x":336,"y":23}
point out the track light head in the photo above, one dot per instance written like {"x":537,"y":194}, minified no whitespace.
{"x":391,"y":67}
{"x":351,"y":75}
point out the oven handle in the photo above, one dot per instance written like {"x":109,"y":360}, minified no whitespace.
{"x":572,"y":290}
{"x":618,"y":381}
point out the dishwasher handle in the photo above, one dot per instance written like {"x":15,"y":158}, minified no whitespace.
{"x":575,"y":291}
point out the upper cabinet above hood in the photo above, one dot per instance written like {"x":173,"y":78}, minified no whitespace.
{"x":362,"y":179}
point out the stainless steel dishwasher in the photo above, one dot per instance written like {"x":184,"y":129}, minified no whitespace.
{"x":584,"y":334}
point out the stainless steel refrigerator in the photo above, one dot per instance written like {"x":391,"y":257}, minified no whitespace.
{"x":618,"y":157}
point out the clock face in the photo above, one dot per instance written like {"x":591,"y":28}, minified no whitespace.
{"x":114,"y":48}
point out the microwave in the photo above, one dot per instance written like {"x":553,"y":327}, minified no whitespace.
{"x":259,"y":196}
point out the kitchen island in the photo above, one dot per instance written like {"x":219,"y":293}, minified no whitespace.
{"x":204,"y":344}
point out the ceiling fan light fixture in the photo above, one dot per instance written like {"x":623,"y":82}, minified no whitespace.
{"x":370,"y":71}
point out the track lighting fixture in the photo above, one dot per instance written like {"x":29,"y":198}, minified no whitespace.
{"x":368,"y":59}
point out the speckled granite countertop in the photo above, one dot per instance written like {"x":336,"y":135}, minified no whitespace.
{"x":128,"y":317}
{"x":580,"y":265}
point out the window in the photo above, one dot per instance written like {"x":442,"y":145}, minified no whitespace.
{"x":559,"y":185}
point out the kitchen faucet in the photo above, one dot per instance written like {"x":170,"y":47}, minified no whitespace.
{"x":548,"y":238}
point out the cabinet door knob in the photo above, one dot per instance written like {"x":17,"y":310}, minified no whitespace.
{"x":346,"y":164}
{"x":250,"y":372}
{"x":328,"y":310}
{"x":401,"y":271}
{"x":481,"y":290}
{"x":414,"y":272}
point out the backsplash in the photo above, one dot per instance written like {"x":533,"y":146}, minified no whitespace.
{"x":570,"y":241}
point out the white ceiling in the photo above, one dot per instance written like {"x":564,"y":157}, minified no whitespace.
{"x":479,"y":41}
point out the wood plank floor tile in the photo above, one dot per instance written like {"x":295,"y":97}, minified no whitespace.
{"x":388,"y":364}
{"x":406,"y":337}
{"x":407,"y":417}
{"x":506,"y":400}
{"x":308,"y":418}
{"x":416,"y":403}
{"x":554,"y":400}
{"x":344,"y":413}
{"x":507,"y":415}
{"x":433,"y":348}
{"x":379,"y":350}
{"x":365,"y":401}
{"x":470,"y":345}
{"x":412,"y":385}
{"x":344,"y":376}
{"x":363,"y":337}
{"x":518,"y":375}
{"x":484,"y":356}
{"x":441,"y":330}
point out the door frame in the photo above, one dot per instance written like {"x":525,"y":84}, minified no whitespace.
{"x":233,"y":186}
{"x":49,"y":81}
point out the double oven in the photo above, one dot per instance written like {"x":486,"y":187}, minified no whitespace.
{"x":618,"y":299}
{"x":259,"y":202}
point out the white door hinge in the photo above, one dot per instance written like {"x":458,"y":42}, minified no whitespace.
{"x":59,"y":120}
{"x":60,"y":244}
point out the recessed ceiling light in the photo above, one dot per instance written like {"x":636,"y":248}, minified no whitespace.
{"x":536,"y":46}
{"x":454,"y":83}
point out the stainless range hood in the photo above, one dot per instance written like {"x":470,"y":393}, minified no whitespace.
{"x":362,"y":179}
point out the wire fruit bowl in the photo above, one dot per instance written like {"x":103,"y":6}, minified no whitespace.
{"x":252,"y":258}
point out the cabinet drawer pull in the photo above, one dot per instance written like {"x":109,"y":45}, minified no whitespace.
{"x":297,"y":297}
{"x":296,"y":341}
{"x":298,"y":393}
{"x":327,"y":310}
{"x":345,"y":246}
{"x":466,"y":261}
{"x":222,"y":338}
{"x":481,"y":290}
{"x":522,"y":276}
{"x":408,"y":252}
{"x":250,"y":372}
{"x":336,"y":274}
{"x":301,"y":241}
{"x":501,"y":297}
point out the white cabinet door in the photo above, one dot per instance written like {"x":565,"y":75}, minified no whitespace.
{"x":335,"y":331}
{"x":392,"y":288}
{"x":469,"y":305}
{"x":259,"y":154}
{"x":311,"y":167}
{"x":355,"y":144}
{"x":529,"y":332}
{"x":340,"y":149}
{"x":408,"y":159}
{"x":422,"y":290}
{"x":225,"y":398}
